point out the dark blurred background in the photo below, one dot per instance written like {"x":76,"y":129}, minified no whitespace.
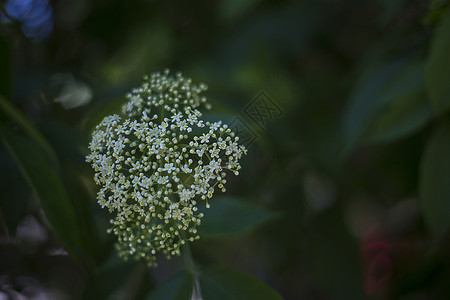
{"x":343,"y":106}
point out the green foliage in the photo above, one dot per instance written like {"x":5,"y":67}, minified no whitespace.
{"x":390,"y":8}
{"x":230,"y":216}
{"x":330,"y":249}
{"x":39,"y":164}
{"x":438,"y":3}
{"x":5,"y":69}
{"x":109,"y":278}
{"x":367,"y":101}
{"x":438,"y":67}
{"x":21,"y":120}
{"x":406,"y":110}
{"x":233,"y":9}
{"x":46,"y":182}
{"x":178,"y":287}
{"x":223,"y":284}
{"x":398,"y":99}
{"x":218,"y":283}
{"x":434,"y":181}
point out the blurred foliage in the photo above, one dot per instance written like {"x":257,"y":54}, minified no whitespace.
{"x":344,"y":196}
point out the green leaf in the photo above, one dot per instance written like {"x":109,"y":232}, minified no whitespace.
{"x":15,"y":115}
{"x":229,"y":215}
{"x":437,"y":10}
{"x":332,"y":257}
{"x":45,"y":180}
{"x":434,"y":187}
{"x":5,"y":68}
{"x":404,"y":117}
{"x":11,"y":187}
{"x":219,"y":283}
{"x":438,"y":67}
{"x":390,"y":8}
{"x":109,"y":278}
{"x":233,"y":9}
{"x":178,"y":287}
{"x":407,"y":108}
{"x":389,"y":104}
{"x":438,"y":3}
{"x":39,"y":165}
{"x":98,"y":112}
{"x":366,"y":102}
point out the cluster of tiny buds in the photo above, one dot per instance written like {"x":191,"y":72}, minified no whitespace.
{"x":156,"y":161}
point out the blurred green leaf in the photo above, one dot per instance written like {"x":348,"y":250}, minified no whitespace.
{"x":178,"y":287}
{"x":437,"y":72}
{"x":5,"y":69}
{"x":233,"y":9}
{"x":46,"y":182}
{"x":405,"y":116}
{"x":77,"y":234}
{"x":229,"y":215}
{"x":437,"y":10}
{"x":15,"y":115}
{"x":435,"y":3}
{"x":407,"y":110}
{"x":11,"y":187}
{"x":390,"y":7}
{"x":65,"y":141}
{"x":219,"y":283}
{"x":147,"y":48}
{"x":287,"y":30}
{"x":108,"y":277}
{"x":366,"y":102}
{"x":434,"y":187}
{"x":98,"y":112}
{"x":330,"y":249}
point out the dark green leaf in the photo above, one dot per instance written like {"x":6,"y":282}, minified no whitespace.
{"x":97,"y":113}
{"x":407,"y":110}
{"x":438,"y":67}
{"x":65,"y":142}
{"x":11,"y":187}
{"x":409,"y":114}
{"x":46,"y":182}
{"x":366,"y":102}
{"x":233,"y":9}
{"x":15,"y":115}
{"x":390,"y":7}
{"x":108,"y":278}
{"x":229,"y":215}
{"x":434,"y":181}
{"x":219,"y":283}
{"x":5,"y":68}
{"x":436,"y":3}
{"x":332,"y":256}
{"x":178,"y":287}
{"x":437,"y":10}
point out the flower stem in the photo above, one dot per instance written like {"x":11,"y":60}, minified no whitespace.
{"x":190,"y":267}
{"x":187,"y":257}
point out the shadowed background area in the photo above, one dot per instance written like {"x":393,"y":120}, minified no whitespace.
{"x":343,"y":104}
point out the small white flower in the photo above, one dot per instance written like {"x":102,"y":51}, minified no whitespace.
{"x":154,"y":171}
{"x":204,"y":138}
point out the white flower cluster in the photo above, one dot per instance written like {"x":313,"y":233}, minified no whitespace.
{"x":157,"y":161}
